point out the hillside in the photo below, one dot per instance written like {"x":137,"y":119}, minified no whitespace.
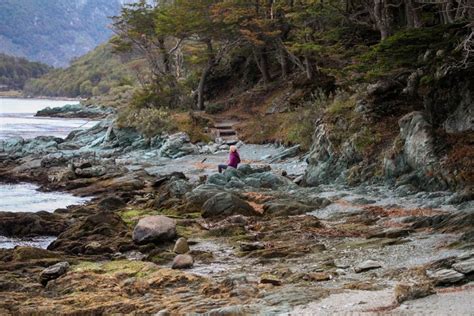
{"x":54,"y":31}
{"x":97,"y":73}
{"x":372,"y":93}
{"x":14,"y":71}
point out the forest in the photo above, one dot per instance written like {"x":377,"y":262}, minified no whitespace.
{"x":99,"y":72}
{"x":15,"y":71}
{"x":188,"y":44}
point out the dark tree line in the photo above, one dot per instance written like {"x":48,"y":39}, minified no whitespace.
{"x":14,"y":71}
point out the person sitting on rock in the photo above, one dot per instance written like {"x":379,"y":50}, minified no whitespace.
{"x":234,"y":160}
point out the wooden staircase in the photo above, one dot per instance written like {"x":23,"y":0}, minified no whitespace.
{"x":225,"y":131}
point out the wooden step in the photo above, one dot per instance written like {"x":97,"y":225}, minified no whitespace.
{"x":226,"y":132}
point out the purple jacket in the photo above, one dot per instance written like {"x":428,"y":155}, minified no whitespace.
{"x":234,"y":159}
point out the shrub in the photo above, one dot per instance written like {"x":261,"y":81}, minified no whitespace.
{"x":148,"y":121}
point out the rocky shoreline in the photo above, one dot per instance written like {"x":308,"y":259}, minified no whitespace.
{"x":164,"y":233}
{"x":76,"y":111}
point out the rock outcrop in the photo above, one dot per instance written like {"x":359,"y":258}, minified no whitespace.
{"x":53,"y":272}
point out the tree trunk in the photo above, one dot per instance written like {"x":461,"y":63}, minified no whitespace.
{"x":308,"y":67}
{"x":165,"y":55}
{"x":200,"y":90}
{"x":283,"y":62}
{"x":262,"y":63}
{"x":449,"y":12}
{"x":205,"y":73}
{"x":382,"y":19}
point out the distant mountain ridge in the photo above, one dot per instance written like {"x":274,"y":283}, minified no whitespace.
{"x":55,"y":31}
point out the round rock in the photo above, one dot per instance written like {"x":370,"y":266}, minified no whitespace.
{"x":154,"y":229}
{"x":182,"y":262}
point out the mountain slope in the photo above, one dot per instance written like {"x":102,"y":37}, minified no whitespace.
{"x":54,"y":31}
{"x":94,"y":74}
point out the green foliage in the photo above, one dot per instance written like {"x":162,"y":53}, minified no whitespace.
{"x":365,"y":138}
{"x":302,"y":133}
{"x":214,"y":108}
{"x":148,"y":121}
{"x":340,"y":104}
{"x":91,"y":75}
{"x":406,"y":49}
{"x":14,"y":71}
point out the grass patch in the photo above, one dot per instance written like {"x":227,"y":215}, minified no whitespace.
{"x":131,"y":217}
{"x":133,"y":268}
{"x":340,"y":104}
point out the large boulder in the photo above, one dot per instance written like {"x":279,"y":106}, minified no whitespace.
{"x":178,"y":145}
{"x":322,"y":159}
{"x":416,"y":133}
{"x":464,"y":267}
{"x":247,"y":169}
{"x":197,"y":197}
{"x":226,"y":204}
{"x":217,"y":179}
{"x":267,"y":180}
{"x":154,"y":229}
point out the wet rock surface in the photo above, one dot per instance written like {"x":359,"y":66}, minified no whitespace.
{"x":249,"y":241}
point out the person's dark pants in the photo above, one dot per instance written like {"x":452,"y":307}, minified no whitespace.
{"x":221,"y":168}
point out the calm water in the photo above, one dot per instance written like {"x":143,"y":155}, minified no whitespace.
{"x":26,"y":198}
{"x":38,"y":242}
{"x":17,"y":119}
